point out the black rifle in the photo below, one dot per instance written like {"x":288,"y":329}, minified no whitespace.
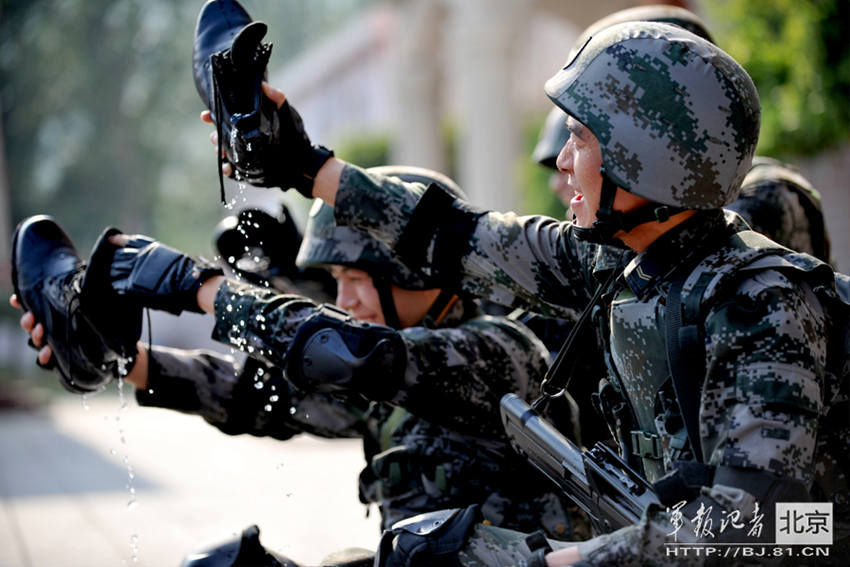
{"x":611,"y":493}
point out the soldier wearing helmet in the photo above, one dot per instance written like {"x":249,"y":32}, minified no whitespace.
{"x":663,"y":127}
{"x":398,"y":344}
{"x":775,"y":199}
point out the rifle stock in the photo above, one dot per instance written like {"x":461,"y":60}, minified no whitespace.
{"x":611,"y":493}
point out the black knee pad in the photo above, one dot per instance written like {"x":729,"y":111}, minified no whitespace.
{"x":428,"y":539}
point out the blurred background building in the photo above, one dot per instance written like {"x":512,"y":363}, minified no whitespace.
{"x":99,"y":114}
{"x":98,"y":126}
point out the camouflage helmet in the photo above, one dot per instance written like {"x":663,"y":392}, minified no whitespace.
{"x":554,"y":133}
{"x":325,"y":243}
{"x":677,"y":119}
{"x":553,"y":136}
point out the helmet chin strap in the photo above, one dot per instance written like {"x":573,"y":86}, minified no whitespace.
{"x":609,"y":222}
{"x":385,"y":295}
{"x":435,"y":313}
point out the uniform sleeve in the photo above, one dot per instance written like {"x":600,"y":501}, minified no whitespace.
{"x":530,"y":262}
{"x":775,"y":209}
{"x":457,"y":376}
{"x":259,"y":321}
{"x":248,"y":398}
{"x":762,"y":397}
{"x":452,"y":376}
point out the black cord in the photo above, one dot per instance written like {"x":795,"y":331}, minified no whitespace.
{"x":556,"y":381}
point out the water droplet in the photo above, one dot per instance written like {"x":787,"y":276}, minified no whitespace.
{"x":229,"y":308}
{"x":113,"y":452}
{"x":85,"y":403}
{"x":260,"y":372}
{"x":132,"y":504}
{"x":274,"y":398}
{"x":258,"y":385}
{"x":267,"y":407}
{"x":292,"y":410}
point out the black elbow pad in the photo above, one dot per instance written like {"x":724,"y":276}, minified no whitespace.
{"x":333,"y":352}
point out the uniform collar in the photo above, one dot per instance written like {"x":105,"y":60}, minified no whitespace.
{"x":672,"y":249}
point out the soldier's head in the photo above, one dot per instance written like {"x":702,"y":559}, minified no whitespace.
{"x":372,"y":284}
{"x":554,"y":133}
{"x":661,"y":121}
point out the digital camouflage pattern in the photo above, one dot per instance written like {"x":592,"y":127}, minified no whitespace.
{"x":414,"y":465}
{"x":676,"y":118}
{"x":325,"y":243}
{"x":248,"y":397}
{"x":775,"y":198}
{"x":764,"y":345}
{"x":778,"y":201}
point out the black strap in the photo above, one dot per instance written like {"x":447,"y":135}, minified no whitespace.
{"x":430,"y":211}
{"x":385,"y":295}
{"x":558,"y":376}
{"x":687,"y":393}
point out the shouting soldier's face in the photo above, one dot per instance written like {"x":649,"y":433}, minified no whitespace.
{"x":580,"y":161}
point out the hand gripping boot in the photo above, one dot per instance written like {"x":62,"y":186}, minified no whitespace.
{"x":91,"y":332}
{"x":229,"y":63}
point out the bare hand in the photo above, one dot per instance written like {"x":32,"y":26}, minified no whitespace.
{"x":275,"y":95}
{"x":563,"y":557}
{"x":36,"y":331}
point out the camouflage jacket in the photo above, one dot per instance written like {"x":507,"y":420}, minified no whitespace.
{"x":765,"y":345}
{"x":779,"y":202}
{"x":414,"y":465}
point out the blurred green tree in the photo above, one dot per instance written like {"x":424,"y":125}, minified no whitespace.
{"x":798,"y":55}
{"x":100,"y":114}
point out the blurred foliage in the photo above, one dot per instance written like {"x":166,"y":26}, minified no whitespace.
{"x":374,"y":149}
{"x":798,"y":55}
{"x":369,"y":150}
{"x":100,"y":113}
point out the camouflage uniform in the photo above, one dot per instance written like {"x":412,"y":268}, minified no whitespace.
{"x":414,"y":465}
{"x":767,"y":403}
{"x":778,"y":201}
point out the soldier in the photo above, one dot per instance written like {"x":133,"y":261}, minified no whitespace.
{"x":414,"y":466}
{"x":775,"y":199}
{"x":663,"y":127}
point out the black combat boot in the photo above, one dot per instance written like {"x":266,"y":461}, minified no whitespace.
{"x":267,"y":146}
{"x":229,"y":64}
{"x":243,"y":550}
{"x":92,"y":333}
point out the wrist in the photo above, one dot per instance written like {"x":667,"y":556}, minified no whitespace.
{"x":564,"y":556}
{"x":207,"y":292}
{"x":326,"y":183}
{"x":138,"y":375}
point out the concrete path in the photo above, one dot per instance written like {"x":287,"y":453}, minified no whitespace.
{"x":94,"y":484}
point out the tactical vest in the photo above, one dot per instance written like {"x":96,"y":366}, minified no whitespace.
{"x":658,"y":435}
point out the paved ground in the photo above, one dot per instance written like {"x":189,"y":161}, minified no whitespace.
{"x":91,"y":484}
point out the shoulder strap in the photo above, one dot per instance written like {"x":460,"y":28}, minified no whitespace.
{"x":685,"y":342}
{"x":687,"y":394}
